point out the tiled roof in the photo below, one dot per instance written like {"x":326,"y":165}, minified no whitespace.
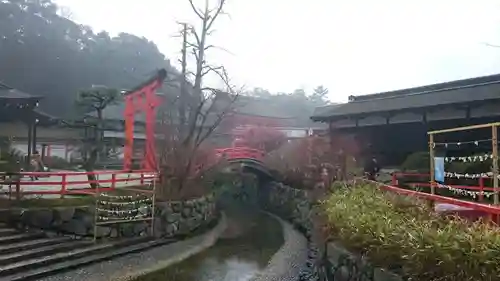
{"x":11,"y":93}
{"x":454,"y":92}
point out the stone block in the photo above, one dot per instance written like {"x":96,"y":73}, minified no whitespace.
{"x":85,"y":216}
{"x":38,"y":218}
{"x":64,"y":214}
{"x":189,"y":203}
{"x":127,"y":230}
{"x":74,"y":226}
{"x":186,"y":211}
{"x":183,"y":226}
{"x":176,"y":206}
{"x":174,"y":217}
{"x":171,"y":229}
{"x":159,"y":227}
{"x":101,"y":231}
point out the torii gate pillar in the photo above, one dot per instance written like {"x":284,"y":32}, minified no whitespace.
{"x":143,"y":99}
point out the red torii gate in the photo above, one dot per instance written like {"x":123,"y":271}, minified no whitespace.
{"x":143,"y":99}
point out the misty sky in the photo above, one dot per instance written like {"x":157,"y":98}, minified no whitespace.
{"x":350,"y":46}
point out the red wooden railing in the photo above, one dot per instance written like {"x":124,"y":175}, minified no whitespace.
{"x":443,"y":199}
{"x":480,"y":187}
{"x":67,"y":183}
{"x":241,"y":153}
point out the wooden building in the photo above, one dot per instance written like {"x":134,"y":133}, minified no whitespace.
{"x":394,"y":124}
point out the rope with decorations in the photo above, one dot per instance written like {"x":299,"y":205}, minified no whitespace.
{"x":468,"y":176}
{"x":112,"y":209}
{"x":461,"y":191}
{"x":129,"y":203}
{"x":129,"y":218}
{"x":460,"y":143}
{"x":468,"y":159}
{"x":142,"y":209}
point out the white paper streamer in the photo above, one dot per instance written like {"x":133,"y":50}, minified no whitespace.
{"x":461,"y":191}
{"x":466,"y":159}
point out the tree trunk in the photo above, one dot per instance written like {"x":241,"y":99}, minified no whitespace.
{"x":89,"y":167}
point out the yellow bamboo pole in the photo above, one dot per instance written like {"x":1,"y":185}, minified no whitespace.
{"x":96,"y":212}
{"x":457,"y":129}
{"x":431,"y":160}
{"x":494,"y":151}
{"x":122,"y":221}
{"x":153,"y":208}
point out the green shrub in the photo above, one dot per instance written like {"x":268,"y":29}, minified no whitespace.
{"x":403,"y":234}
{"x":55,"y":162}
{"x":418,"y":161}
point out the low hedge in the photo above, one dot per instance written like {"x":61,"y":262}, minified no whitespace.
{"x":403,"y":235}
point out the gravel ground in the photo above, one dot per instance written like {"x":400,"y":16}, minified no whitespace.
{"x":286,"y":263}
{"x":133,"y":265}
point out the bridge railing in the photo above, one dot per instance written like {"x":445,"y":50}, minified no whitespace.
{"x":241,"y":153}
{"x":70,"y":183}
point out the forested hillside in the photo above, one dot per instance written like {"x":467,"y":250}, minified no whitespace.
{"x":43,"y":53}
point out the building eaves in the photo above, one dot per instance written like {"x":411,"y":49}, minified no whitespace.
{"x":413,"y":99}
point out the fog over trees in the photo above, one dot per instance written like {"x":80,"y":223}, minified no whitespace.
{"x":44,"y":53}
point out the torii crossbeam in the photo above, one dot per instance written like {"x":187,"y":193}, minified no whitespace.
{"x":143,"y":99}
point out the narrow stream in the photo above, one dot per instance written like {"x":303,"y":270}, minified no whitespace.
{"x":245,"y":248}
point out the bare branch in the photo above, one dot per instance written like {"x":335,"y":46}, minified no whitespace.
{"x":196,"y":10}
{"x":211,"y":19}
{"x":492,"y":45}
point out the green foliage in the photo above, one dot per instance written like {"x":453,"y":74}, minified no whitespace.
{"x":404,"y":235}
{"x":96,"y":100}
{"x":11,"y":160}
{"x":417,"y":161}
{"x":55,"y":162}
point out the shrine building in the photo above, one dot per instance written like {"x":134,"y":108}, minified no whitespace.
{"x":394,"y":124}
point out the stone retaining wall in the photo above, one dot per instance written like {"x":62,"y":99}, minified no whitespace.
{"x":171,"y":219}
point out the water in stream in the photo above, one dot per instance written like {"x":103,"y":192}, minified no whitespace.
{"x":249,"y":242}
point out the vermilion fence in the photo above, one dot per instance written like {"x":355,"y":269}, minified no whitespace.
{"x":482,"y":210}
{"x":72,"y":183}
{"x":480,"y":187}
{"x":68,"y":183}
{"x":241,"y":153}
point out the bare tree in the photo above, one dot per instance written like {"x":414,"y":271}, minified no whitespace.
{"x":198,"y":111}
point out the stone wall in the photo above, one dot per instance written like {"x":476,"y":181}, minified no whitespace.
{"x":342,"y":265}
{"x":336,"y":263}
{"x":171,"y":219}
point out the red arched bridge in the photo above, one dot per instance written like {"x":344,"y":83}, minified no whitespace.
{"x":250,"y":159}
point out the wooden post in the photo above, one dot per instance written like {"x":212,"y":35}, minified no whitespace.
{"x":431,"y":159}
{"x":153,"y":206}
{"x":481,"y":189}
{"x":64,"y":183}
{"x":96,"y":211}
{"x":494,"y":146}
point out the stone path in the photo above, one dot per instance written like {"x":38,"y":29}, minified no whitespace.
{"x":130,"y":179}
{"x":131,"y":266}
